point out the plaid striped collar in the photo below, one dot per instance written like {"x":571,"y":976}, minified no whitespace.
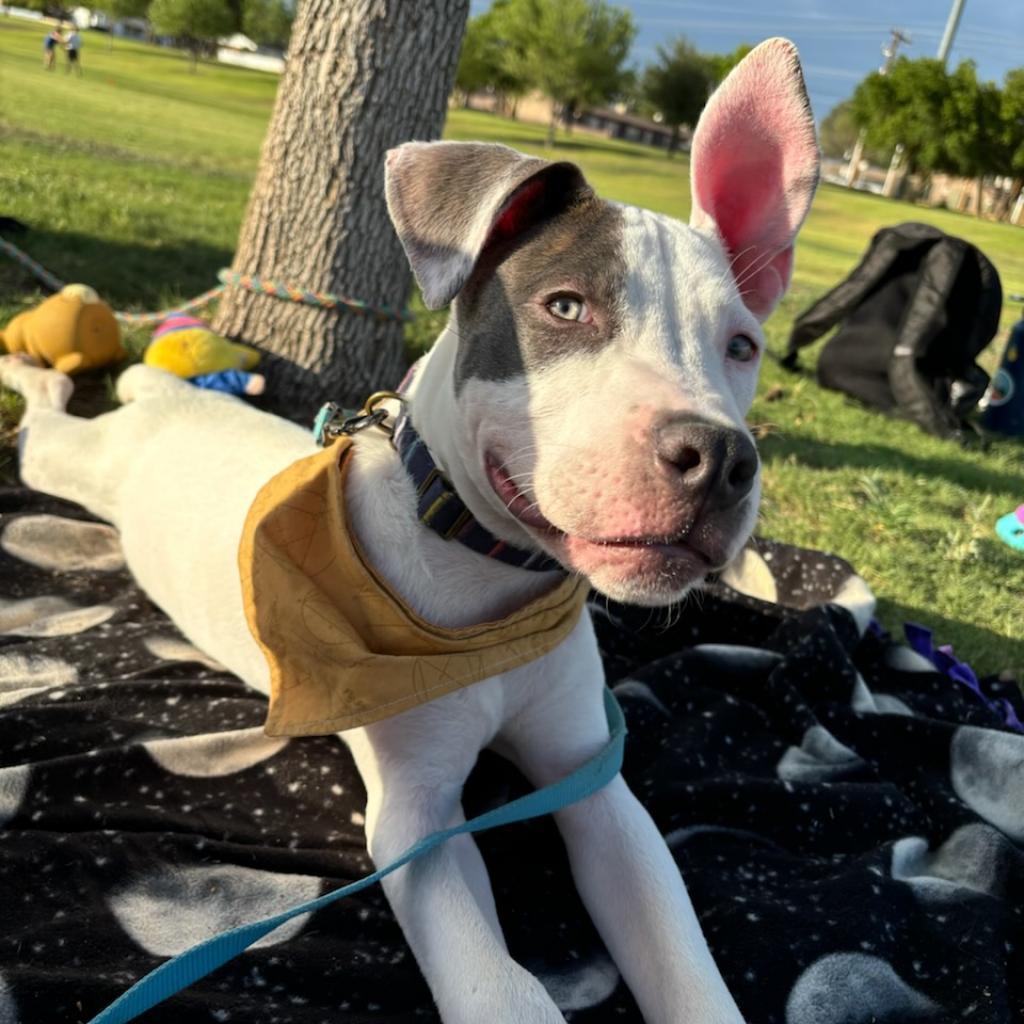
{"x":440,"y":508}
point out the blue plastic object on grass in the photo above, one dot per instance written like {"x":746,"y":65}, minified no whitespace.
{"x":1010,"y":528}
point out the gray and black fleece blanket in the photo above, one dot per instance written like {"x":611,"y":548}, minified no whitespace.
{"x":847,"y":810}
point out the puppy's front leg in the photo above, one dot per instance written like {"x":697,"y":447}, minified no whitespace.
{"x":623,"y":870}
{"x":414,"y":767}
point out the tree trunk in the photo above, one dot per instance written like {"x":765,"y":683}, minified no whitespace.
{"x":552,"y":124}
{"x":1008,"y":199}
{"x":361,"y":76}
{"x":979,"y":194}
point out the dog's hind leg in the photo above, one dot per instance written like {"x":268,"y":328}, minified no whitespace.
{"x":68,"y":456}
{"x":414,"y":767}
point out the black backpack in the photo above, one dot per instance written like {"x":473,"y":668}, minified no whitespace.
{"x":913,"y":317}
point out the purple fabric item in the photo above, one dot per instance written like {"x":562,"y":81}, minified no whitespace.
{"x":920,"y":639}
{"x":1020,"y":513}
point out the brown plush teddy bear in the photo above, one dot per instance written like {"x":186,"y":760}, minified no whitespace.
{"x":71,"y":331}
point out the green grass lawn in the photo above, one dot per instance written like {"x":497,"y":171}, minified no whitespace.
{"x":134,"y":179}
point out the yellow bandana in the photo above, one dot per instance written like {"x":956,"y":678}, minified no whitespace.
{"x":343,"y":649}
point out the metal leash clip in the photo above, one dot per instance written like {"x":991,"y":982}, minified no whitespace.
{"x":333,"y":421}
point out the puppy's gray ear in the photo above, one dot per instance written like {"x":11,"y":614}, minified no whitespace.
{"x":449,"y":201}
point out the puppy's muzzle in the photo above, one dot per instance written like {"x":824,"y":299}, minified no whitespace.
{"x":711,"y":467}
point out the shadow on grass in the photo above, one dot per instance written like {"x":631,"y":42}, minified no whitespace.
{"x":987,"y":653}
{"x":128,"y":275}
{"x":837,"y":455}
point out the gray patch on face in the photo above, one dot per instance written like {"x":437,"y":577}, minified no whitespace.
{"x":987,"y":772}
{"x":854,"y":988}
{"x":975,"y":857}
{"x":504,"y":331}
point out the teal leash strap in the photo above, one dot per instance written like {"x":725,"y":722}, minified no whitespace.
{"x":195,"y":963}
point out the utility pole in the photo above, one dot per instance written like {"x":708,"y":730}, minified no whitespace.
{"x":952,"y":24}
{"x":889,"y":51}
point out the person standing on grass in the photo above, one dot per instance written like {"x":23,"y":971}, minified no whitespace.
{"x":73,"y":48}
{"x":50,"y":43}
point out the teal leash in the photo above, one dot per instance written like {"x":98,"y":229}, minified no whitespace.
{"x":181,"y":971}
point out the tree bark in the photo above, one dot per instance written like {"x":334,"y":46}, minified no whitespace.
{"x":1004,"y":208}
{"x":549,"y":140}
{"x":361,"y":77}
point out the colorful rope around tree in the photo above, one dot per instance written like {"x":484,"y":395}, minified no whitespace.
{"x":228,"y":278}
{"x":325,"y":300}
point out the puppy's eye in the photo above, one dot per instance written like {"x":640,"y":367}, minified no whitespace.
{"x":569,"y":307}
{"x":741,"y":349}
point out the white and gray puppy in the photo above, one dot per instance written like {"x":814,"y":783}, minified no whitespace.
{"x":586,"y":398}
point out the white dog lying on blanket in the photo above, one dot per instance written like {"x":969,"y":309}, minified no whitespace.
{"x":586,"y":401}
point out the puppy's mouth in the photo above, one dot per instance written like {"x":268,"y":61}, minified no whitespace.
{"x":522,"y":508}
{"x":677,"y":548}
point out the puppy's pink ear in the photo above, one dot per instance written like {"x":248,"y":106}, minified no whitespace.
{"x":754,"y":169}
{"x":449,"y":201}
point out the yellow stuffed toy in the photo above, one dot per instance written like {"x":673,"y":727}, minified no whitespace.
{"x":71,"y":331}
{"x":186,"y":347}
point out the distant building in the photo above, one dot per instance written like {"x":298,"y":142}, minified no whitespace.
{"x":131,"y":28}
{"x":615,"y":124}
{"x":239,"y":42}
{"x":243,"y":52}
{"x":535,"y":108}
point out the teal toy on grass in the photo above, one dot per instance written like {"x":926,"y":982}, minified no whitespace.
{"x":1011,"y":528}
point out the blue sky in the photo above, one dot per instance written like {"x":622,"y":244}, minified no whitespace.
{"x":839,"y":42}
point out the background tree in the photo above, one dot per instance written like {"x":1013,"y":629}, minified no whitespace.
{"x":361,"y":77}
{"x":1012,"y":134}
{"x":267,"y":22}
{"x":483,"y":60}
{"x":973,"y":137}
{"x":126,"y":8}
{"x":720,"y":64}
{"x":195,"y":23}
{"x":572,"y":50}
{"x":906,"y":106}
{"x":677,"y":86}
{"x":838,"y":135}
{"x":118,"y":9}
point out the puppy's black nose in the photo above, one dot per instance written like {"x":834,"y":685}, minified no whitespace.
{"x":714,"y":464}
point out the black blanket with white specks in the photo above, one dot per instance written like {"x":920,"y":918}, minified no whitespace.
{"x":848,"y":818}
